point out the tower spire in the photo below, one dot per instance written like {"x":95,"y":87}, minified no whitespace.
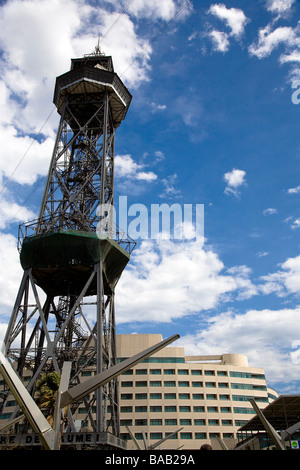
{"x":98,"y":48}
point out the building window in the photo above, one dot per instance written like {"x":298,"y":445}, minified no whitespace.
{"x":222,"y":373}
{"x":240,"y":397}
{"x":183,"y":372}
{"x":171,"y":422}
{"x":170,"y":409}
{"x":197,"y":384}
{"x":209,"y":372}
{"x":155,"y":422}
{"x":172,"y":437}
{"x":249,"y":411}
{"x":141,"y":383}
{"x":196,"y":372}
{"x":182,"y":383}
{"x":211,"y":396}
{"x":126,"y":384}
{"x":240,"y":422}
{"x":141,"y":371}
{"x":258,"y":376}
{"x":125,"y":422}
{"x":155,"y":383}
{"x":199,"y":422}
{"x":126,"y":409}
{"x":170,"y":396}
{"x":225,"y":409}
{"x":248,"y":386}
{"x":141,"y":422}
{"x":155,"y":371}
{"x":185,"y":435}
{"x":244,"y":375}
{"x":184,"y":396}
{"x":155,"y":408}
{"x":141,"y":409}
{"x":169,"y":383}
{"x":212,"y":409}
{"x":241,"y":386}
{"x":198,"y":409}
{"x":155,"y":396}
{"x":223,"y":385}
{"x":226,"y":422}
{"x":185,"y":422}
{"x":11,"y":403}
{"x":156,"y":435}
{"x":126,"y":396}
{"x":210,"y":384}
{"x":184,"y":409}
{"x":198,"y":396}
{"x":169,"y":371}
{"x":141,"y":396}
{"x":200,"y":435}
{"x":213,"y":422}
{"x":224,"y":397}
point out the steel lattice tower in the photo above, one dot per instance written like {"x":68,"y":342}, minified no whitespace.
{"x":73,"y":255}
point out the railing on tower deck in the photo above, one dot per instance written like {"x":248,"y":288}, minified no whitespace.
{"x":108,"y":231}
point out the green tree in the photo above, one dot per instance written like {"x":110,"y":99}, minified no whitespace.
{"x":46,"y":388}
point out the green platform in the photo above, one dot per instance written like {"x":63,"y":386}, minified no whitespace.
{"x":62,"y":262}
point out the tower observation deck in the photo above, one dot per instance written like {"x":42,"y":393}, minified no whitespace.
{"x":73,"y":255}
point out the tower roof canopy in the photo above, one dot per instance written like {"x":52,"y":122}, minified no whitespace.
{"x":91,"y":78}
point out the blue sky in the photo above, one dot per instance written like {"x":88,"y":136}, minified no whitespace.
{"x":212,"y":122}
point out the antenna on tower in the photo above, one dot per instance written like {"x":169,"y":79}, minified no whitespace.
{"x":97,"y":50}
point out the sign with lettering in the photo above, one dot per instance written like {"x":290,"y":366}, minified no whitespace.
{"x":76,"y":438}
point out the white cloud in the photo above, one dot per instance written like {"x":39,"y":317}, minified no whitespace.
{"x":158,"y":107}
{"x":270,"y":211}
{"x":167,"y":280}
{"x":295,"y":190}
{"x":22,"y":158}
{"x":296,"y":224}
{"x":12,"y":212}
{"x":294,"y":56}
{"x":156,"y":9}
{"x":130,"y":53}
{"x":126,"y":167}
{"x":234,"y":180}
{"x":262,"y":254}
{"x":264,"y":336}
{"x":10,"y":274}
{"x":285,"y":281}
{"x":269,"y":40}
{"x":169,"y":185}
{"x":234,"y":18}
{"x":279,"y":6}
{"x":220,"y":40}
